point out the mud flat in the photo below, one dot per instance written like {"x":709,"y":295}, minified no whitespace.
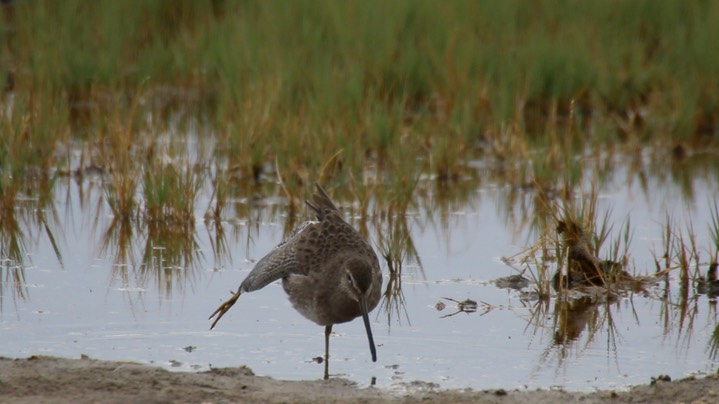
{"x":40,"y":379}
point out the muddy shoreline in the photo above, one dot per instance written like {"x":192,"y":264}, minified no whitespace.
{"x":41,"y":379}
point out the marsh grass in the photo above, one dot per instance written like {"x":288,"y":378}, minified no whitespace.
{"x":169,"y":195}
{"x":683,"y":254}
{"x":681,"y":251}
{"x":293,"y":84}
{"x":372,"y":98}
{"x":334,"y":90}
{"x":218,"y":199}
{"x":119,"y":192}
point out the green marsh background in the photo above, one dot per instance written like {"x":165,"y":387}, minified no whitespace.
{"x":332,"y":88}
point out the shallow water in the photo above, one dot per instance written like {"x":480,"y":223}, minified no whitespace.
{"x":103,"y":302}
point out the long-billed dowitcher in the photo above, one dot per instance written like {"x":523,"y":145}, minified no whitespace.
{"x":329,"y":271}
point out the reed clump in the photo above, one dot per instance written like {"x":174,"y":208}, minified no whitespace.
{"x":566,"y":255}
{"x":169,"y":195}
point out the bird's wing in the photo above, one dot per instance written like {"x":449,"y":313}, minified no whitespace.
{"x":278,"y":263}
{"x":285,"y":259}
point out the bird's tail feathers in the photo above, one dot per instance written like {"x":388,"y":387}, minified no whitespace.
{"x":321,"y":203}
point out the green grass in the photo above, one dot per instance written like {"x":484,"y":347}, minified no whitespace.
{"x":364,"y":96}
{"x":169,"y":193}
{"x":300,"y":79}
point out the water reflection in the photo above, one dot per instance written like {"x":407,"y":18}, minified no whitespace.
{"x":12,"y":279}
{"x":170,"y":257}
{"x":572,"y":318}
{"x":221,"y":251}
{"x":397,"y":249}
{"x":576,"y":325}
{"x":387,"y":208}
{"x":466,"y":306}
{"x":117,"y":242}
{"x":12,"y":237}
{"x":24,"y":221}
{"x":713,"y":345}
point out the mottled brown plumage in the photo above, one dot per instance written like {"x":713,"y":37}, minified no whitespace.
{"x":583,"y":267}
{"x":329,"y":271}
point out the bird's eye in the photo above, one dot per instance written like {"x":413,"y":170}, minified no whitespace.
{"x":349,"y":278}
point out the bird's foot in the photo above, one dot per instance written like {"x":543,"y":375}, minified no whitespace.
{"x":224,"y":307}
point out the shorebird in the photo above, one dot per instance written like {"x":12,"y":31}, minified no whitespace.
{"x":329,"y":271}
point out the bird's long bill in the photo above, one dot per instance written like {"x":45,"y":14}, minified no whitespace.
{"x":365,"y":318}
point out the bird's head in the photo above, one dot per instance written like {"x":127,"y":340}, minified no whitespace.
{"x":357,"y":278}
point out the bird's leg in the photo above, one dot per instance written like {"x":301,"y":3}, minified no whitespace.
{"x":328,"y":331}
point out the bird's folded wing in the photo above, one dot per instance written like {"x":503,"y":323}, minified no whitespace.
{"x":278,"y":263}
